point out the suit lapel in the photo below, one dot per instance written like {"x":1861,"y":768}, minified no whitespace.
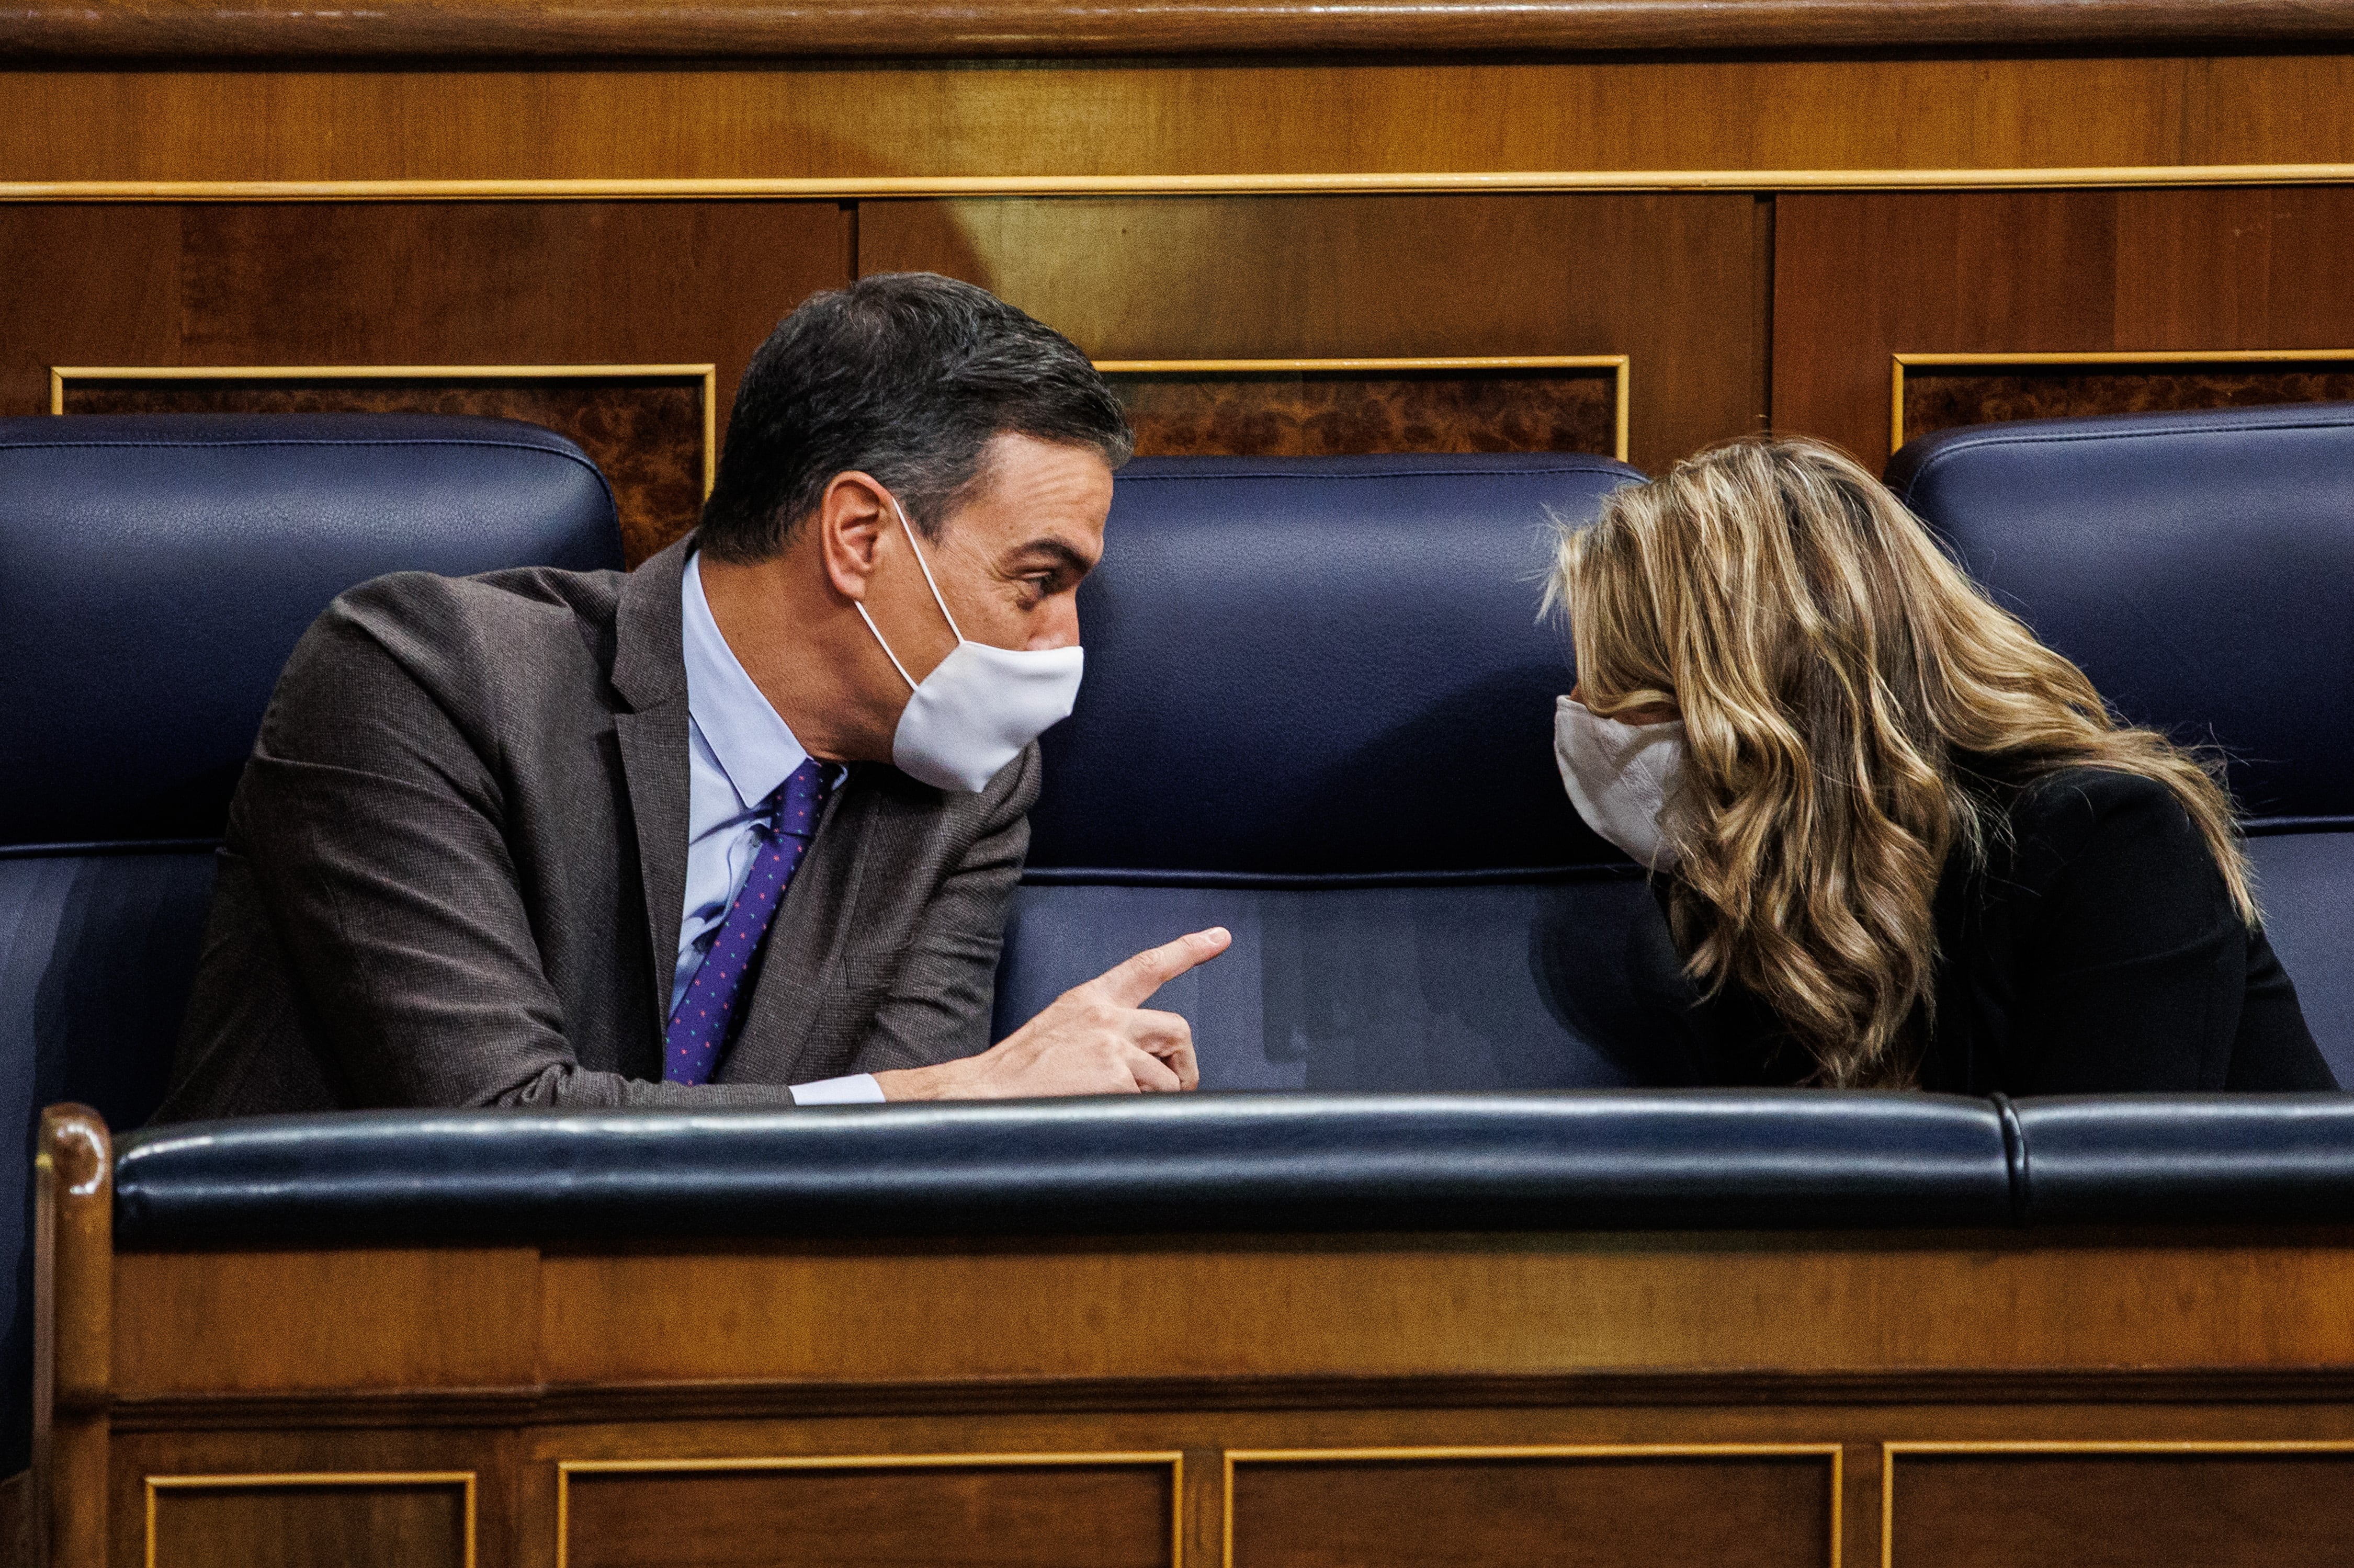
{"x":650,"y":673}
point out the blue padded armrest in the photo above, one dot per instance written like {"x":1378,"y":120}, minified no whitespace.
{"x":2188,"y":1158}
{"x":1629,"y":1160}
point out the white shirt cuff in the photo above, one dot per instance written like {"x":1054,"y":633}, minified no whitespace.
{"x":858,"y":1089}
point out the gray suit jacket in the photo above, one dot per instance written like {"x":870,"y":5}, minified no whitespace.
{"x":455,"y":865}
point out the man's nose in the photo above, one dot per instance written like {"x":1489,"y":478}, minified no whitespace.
{"x":1058,"y":625}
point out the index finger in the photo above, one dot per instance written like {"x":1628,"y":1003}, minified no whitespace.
{"x":1131,"y":983}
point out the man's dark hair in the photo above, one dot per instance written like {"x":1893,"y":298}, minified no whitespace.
{"x":904,"y":376}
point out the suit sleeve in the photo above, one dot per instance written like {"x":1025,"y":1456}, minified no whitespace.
{"x":371,"y":815}
{"x":2133,"y":964}
{"x":939,"y":1003}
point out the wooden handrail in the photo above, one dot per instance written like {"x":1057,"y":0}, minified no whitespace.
{"x":73,"y":1334}
{"x":100,"y":30}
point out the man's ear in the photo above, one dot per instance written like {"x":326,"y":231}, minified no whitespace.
{"x":853,"y":517}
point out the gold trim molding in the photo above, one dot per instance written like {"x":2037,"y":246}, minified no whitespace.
{"x":882,"y":187}
{"x":1891,"y":1452}
{"x":62,"y":376}
{"x":1835,"y":1452}
{"x":1905,"y":362}
{"x":293,"y":1478}
{"x":1618,"y":364}
{"x":568,"y":1468}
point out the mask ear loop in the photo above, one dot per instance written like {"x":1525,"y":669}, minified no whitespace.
{"x":928,"y":582}
{"x":884,"y":645}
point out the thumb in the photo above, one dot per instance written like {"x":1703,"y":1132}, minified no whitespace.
{"x":1132,"y":983}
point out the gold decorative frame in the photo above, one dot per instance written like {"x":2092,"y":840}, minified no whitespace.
{"x":62,"y":375}
{"x":1616,"y":363}
{"x":1836,"y":1453}
{"x":1889,"y":1453}
{"x":465,"y":1479}
{"x":1903,"y":362}
{"x":1175,"y":1460}
{"x":1514,"y":182}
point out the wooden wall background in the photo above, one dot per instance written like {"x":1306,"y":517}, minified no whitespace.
{"x":1760,"y":229}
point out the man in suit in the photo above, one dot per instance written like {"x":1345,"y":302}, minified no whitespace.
{"x":738,"y":827}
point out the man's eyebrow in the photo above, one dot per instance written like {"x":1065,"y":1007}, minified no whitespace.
{"x":1065,"y":555}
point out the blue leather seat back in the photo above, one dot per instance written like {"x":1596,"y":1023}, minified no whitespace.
{"x":1319,"y":711}
{"x":155,"y":572}
{"x":2199,"y":567}
{"x":2306,"y":884}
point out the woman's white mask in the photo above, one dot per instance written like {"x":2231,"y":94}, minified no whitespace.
{"x":1622,"y":777}
{"x":980,"y":705}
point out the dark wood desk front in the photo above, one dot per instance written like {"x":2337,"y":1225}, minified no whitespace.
{"x":1801,"y":1399}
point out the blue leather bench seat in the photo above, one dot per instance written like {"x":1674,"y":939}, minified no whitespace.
{"x":1319,"y":712}
{"x":155,"y":570}
{"x":2199,"y":567}
{"x":1671,"y":1159}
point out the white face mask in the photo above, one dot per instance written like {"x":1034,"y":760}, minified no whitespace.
{"x":1622,"y":777}
{"x":976,"y":711}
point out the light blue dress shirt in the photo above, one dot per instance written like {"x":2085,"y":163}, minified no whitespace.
{"x":739,"y":751}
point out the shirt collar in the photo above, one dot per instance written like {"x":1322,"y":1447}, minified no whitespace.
{"x":754,"y":747}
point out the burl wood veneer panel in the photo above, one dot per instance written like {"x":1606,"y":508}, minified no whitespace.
{"x":1937,"y":398}
{"x":1323,"y":414}
{"x":1678,"y":282}
{"x":1035,"y":1516}
{"x":2122,"y":1510}
{"x":1598,"y":1512}
{"x":519,"y":283}
{"x":387,"y":1524}
{"x":1859,"y":278}
{"x":1186,"y":117}
{"x":644,"y":434}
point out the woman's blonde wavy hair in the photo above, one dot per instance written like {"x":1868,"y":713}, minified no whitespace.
{"x":1854,"y":708}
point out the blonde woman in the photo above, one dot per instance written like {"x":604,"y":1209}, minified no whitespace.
{"x":1898,"y":841}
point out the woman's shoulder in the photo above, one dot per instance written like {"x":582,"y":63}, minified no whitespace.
{"x":2060,"y":817}
{"x":2089,"y":793}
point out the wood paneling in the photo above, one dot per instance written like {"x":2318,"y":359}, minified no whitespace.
{"x":1504,"y":1305}
{"x":1859,"y":278}
{"x":1938,"y":398}
{"x":2121,"y":1510}
{"x":1676,"y":282}
{"x":1327,"y":413}
{"x":1030,"y":1515}
{"x":383,"y":1523}
{"x":644,"y":432}
{"x":1020,"y":29}
{"x":845,"y":1314}
{"x":1600,"y":1511}
{"x":493,"y":121}
{"x":518,"y":1467}
{"x":409,"y":284}
{"x":356,"y":1318}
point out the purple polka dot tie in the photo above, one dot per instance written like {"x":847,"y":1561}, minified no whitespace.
{"x":701,"y":1028}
